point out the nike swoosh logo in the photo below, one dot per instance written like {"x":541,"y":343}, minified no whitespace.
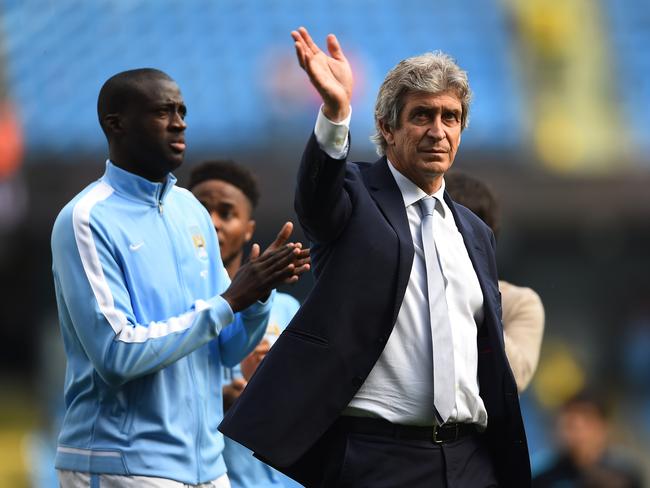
{"x":135,"y":247}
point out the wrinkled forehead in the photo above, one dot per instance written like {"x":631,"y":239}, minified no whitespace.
{"x":439,"y":98}
{"x":448,"y":94}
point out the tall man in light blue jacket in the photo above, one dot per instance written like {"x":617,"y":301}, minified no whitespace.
{"x":148,"y":313}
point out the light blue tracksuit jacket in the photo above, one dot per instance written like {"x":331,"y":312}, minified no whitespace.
{"x":138,"y":275}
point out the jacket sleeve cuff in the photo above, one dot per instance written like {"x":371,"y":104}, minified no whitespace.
{"x":259,"y":308}
{"x":220,"y":311}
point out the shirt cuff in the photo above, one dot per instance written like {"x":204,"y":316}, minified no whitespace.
{"x":332,"y":137}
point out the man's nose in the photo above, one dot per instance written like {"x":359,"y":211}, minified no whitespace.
{"x":435,"y":130}
{"x":178,"y":122}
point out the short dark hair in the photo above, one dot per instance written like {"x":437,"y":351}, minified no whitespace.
{"x":590,"y":397}
{"x":120,"y":89}
{"x":475,"y":195}
{"x":230,"y":172}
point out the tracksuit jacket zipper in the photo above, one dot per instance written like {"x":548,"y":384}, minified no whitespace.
{"x":190,"y":362}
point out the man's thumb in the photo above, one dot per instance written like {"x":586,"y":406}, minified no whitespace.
{"x":255,"y":252}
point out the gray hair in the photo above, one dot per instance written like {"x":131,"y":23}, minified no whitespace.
{"x":433,"y":72}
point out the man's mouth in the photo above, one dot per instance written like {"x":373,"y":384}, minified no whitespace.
{"x":177,"y":146}
{"x":434,"y":154}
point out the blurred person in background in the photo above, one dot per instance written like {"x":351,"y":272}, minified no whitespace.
{"x":230,"y":194}
{"x":586,"y":458}
{"x":147,"y":311}
{"x":523,"y":311}
{"x":378,"y":388}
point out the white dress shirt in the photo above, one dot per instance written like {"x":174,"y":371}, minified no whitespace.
{"x":400,"y":386}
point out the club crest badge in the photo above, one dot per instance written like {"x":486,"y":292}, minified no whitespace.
{"x":199,"y":242}
{"x":272,"y":333}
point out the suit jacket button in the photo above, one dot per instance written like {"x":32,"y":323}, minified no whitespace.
{"x":382,"y":340}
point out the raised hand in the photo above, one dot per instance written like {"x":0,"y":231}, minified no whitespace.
{"x":331,"y":75}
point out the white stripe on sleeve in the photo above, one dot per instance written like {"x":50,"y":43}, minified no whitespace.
{"x":90,"y":259}
{"x":140,"y":333}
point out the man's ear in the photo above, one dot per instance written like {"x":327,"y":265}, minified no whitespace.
{"x":250,"y":230}
{"x":113,"y":123}
{"x":387,"y":132}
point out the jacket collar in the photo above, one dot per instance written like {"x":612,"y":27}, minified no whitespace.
{"x":136,"y":187}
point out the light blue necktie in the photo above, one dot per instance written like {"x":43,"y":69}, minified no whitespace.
{"x":444,"y":377}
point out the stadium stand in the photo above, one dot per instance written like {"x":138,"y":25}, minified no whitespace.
{"x":222,"y":54}
{"x":627,"y":25}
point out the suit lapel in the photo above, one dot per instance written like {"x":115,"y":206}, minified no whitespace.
{"x":386,"y":194}
{"x":477,"y":256}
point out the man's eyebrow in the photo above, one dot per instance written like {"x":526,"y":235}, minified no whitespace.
{"x":171,"y":103}
{"x":455,"y":111}
{"x":222,"y":203}
{"x":425,"y":107}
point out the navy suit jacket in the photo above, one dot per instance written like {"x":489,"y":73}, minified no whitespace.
{"x":362,"y":254}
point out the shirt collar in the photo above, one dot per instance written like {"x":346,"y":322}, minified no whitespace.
{"x":411,"y":193}
{"x":136,"y":186}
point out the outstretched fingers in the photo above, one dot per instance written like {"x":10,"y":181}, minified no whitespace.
{"x":306,"y":48}
{"x":309,"y":42}
{"x":334,"y":47}
{"x":300,"y":51}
